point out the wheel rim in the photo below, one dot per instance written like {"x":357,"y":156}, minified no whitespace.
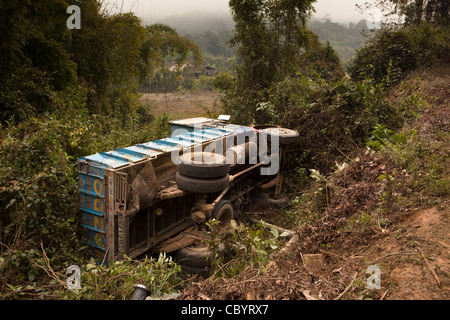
{"x":203,"y":158}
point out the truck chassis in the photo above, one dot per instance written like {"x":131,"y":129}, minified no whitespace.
{"x":131,"y":201}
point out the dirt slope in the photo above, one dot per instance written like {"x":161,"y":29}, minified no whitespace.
{"x":329,"y":259}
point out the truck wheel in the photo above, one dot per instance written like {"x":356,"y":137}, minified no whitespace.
{"x":203,"y":165}
{"x":203,"y":271}
{"x":223,"y":212}
{"x":202,"y":185}
{"x":195,"y":255}
{"x":285,"y":136}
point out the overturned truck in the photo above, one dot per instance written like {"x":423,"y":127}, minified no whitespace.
{"x":157,"y":196}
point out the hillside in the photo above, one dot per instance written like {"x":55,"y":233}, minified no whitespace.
{"x":366,"y":188}
{"x":345,"y":39}
{"x":409,"y":241}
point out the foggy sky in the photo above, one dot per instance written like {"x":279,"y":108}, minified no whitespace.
{"x":152,"y":10}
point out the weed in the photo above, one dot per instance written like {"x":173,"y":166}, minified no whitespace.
{"x":360,"y":222}
{"x":117,"y":281}
{"x":245,"y":246}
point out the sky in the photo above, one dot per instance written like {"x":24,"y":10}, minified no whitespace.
{"x":153,"y":10}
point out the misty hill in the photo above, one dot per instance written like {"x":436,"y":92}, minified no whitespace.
{"x":345,"y":39}
{"x":199,"y":21}
{"x":202,"y":26}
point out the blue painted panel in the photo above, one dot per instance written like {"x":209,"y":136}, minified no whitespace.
{"x":91,"y":184}
{"x":181,"y":141}
{"x":93,"y":222}
{"x":144,"y":150}
{"x":105,"y":161}
{"x":159,"y":146}
{"x":91,"y":203}
{"x":94,"y":239}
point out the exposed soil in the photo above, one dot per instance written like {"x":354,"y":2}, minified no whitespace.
{"x":307,"y":269}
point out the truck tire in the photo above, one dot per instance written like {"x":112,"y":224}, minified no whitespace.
{"x":223,"y":212}
{"x":285,"y":136}
{"x":203,"y":271}
{"x":195,"y":255}
{"x":210,"y":165}
{"x":202,"y":185}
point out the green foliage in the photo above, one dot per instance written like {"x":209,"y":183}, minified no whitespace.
{"x":381,"y":135}
{"x":117,"y":281}
{"x":416,"y":11}
{"x":424,"y":162}
{"x":25,"y":92}
{"x":320,"y":62}
{"x":161,"y":126}
{"x":203,"y":82}
{"x":163,"y":47}
{"x":394,"y":51}
{"x":268,"y":36}
{"x":42,"y":56}
{"x":244,"y":246}
{"x":108,"y":54}
{"x":332,"y":118}
{"x":344,"y":39}
{"x":37,"y":195}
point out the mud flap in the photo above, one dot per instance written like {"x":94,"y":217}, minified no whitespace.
{"x":145,"y":185}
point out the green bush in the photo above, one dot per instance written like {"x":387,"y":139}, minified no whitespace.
{"x":117,"y":281}
{"x":39,"y":205}
{"x":333,"y":118}
{"x":244,"y":246}
{"x":38,"y":197}
{"x":394,"y":51}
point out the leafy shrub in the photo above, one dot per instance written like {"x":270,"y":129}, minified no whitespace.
{"x":37,"y":196}
{"x":394,"y":51}
{"x":39,"y":180}
{"x":245,"y":246}
{"x":334,"y":118}
{"x":117,"y":281}
{"x":23,"y":94}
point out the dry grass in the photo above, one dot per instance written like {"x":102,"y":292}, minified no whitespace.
{"x":188,"y":104}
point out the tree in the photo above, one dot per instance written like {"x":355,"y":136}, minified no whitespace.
{"x":416,"y":11}
{"x":269,"y":36}
{"x":164,"y":45}
{"x":107,"y":51}
{"x":34,"y":58}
